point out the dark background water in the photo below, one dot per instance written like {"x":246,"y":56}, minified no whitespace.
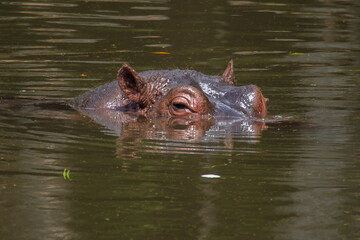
{"x":143,"y":179}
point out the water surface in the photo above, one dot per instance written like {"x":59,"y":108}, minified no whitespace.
{"x":64,"y":175}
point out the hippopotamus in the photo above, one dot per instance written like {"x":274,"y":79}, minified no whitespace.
{"x":176,"y":93}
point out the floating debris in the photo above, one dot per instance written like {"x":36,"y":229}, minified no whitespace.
{"x":210,"y":176}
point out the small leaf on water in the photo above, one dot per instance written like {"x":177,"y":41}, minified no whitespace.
{"x":66,"y":174}
{"x":296,"y":53}
{"x":162,"y":53}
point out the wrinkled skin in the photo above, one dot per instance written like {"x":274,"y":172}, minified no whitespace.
{"x":176,"y":93}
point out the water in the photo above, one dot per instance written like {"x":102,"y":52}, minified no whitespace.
{"x":64,"y":175}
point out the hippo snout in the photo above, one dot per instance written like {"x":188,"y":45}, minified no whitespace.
{"x":247,"y":100}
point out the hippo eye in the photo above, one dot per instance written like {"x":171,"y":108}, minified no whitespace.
{"x":180,"y":107}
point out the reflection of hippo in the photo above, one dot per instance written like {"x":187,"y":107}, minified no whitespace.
{"x":175,"y":93}
{"x":118,"y":123}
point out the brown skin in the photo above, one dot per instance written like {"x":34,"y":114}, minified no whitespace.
{"x":178,"y":102}
{"x":136,"y":89}
{"x":260,"y":105}
{"x":228,"y":74}
{"x":184,"y":101}
{"x":154,"y":98}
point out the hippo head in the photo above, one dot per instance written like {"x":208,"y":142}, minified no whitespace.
{"x":189,"y":93}
{"x":176,"y":93}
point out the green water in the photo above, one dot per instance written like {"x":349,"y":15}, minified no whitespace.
{"x":64,"y":175}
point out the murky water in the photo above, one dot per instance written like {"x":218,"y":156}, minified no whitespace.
{"x":64,"y":175}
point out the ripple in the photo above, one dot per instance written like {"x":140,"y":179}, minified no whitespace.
{"x":89,"y":24}
{"x":130,"y":1}
{"x":38,"y":4}
{"x":145,"y":18}
{"x":159,"y":45}
{"x":62,"y":15}
{"x":61,"y":30}
{"x":151,"y":8}
{"x":79,"y":40}
{"x":252,"y":3}
{"x":145,"y":37}
{"x":285,"y":40}
{"x":181,"y":147}
{"x":26,"y":47}
{"x":249,"y":53}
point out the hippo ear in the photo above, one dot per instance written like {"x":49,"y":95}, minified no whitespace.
{"x":131,"y":83}
{"x":228,"y":74}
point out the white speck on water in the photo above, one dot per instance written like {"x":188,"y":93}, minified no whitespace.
{"x":210,"y":176}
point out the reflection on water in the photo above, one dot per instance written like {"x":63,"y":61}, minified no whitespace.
{"x":175,"y":135}
{"x":137,"y":178}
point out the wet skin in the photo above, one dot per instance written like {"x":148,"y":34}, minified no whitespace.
{"x":176,"y":93}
